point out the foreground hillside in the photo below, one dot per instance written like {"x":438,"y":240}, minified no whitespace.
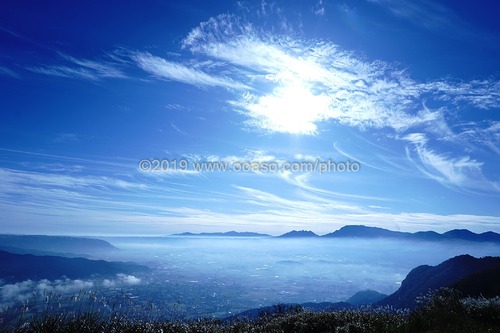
{"x":443,"y":312}
{"x":450,"y":272}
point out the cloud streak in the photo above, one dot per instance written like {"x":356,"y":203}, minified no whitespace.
{"x":4,"y":71}
{"x":81,"y":69}
{"x":173,"y":71}
{"x":461,"y":172}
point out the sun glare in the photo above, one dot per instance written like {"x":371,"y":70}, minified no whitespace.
{"x":291,"y":108}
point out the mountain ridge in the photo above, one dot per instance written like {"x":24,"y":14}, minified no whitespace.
{"x":424,"y":278}
{"x":56,"y":245}
{"x":21,"y":267}
{"x":299,"y":234}
{"x":361,"y":231}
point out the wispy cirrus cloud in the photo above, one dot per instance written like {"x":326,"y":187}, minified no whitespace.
{"x":66,"y":137}
{"x":319,"y":8}
{"x":457,"y":171}
{"x":438,"y":18}
{"x":169,"y":70}
{"x":482,"y":94}
{"x":103,"y":204}
{"x":4,"y":71}
{"x":426,"y":14}
{"x":298,"y":207}
{"x":81,"y":69}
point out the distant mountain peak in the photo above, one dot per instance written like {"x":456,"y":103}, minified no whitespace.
{"x":361,"y":231}
{"x":299,"y":233}
{"x":366,"y":297}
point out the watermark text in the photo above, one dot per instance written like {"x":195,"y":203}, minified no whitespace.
{"x":185,"y":165}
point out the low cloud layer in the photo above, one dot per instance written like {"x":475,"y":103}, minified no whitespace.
{"x":17,"y":292}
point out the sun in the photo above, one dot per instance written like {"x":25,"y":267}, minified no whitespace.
{"x":291,"y":108}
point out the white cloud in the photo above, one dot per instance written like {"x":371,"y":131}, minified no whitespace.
{"x":177,"y":72}
{"x":416,"y":138}
{"x":15,"y":292}
{"x":311,"y":204}
{"x":81,"y":69}
{"x":128,"y":279}
{"x":177,"y":129}
{"x":10,"y":178}
{"x":454,"y":170}
{"x":66,"y":137}
{"x":426,"y":14}
{"x":176,"y":107}
{"x":319,"y":8}
{"x":482,"y":94}
{"x":460,"y":172}
{"x":121,"y":279}
{"x":8,"y":72}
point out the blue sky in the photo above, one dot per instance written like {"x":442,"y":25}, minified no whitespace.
{"x":410,"y":90}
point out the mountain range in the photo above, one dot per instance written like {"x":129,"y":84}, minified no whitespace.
{"x":361,"y":231}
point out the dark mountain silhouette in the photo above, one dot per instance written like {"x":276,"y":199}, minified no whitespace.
{"x":463,"y":234}
{"x":301,"y":233}
{"x":16,"y":267}
{"x":361,"y":298}
{"x":16,"y":250}
{"x":224,"y":234}
{"x":289,"y":308}
{"x":361,"y":231}
{"x":486,"y":284}
{"x":424,"y":278}
{"x":426,"y":236}
{"x":56,"y":244}
{"x":366,"y":297}
{"x":289,"y":263}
